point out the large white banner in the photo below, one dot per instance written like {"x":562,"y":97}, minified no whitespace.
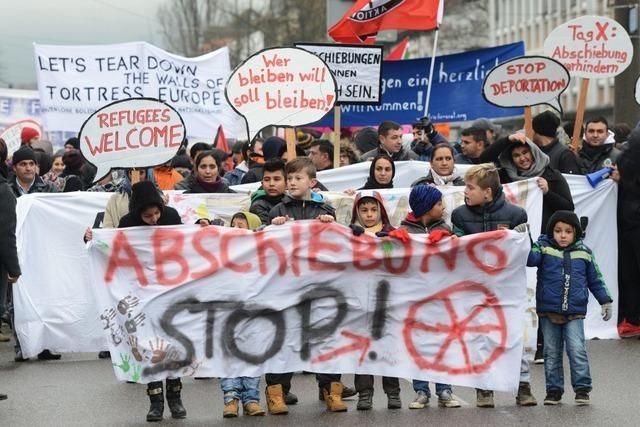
{"x":56,"y":308}
{"x":75,"y":81}
{"x":447,"y":312}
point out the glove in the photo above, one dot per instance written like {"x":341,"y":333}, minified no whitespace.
{"x":356,"y":229}
{"x":436,"y":235}
{"x":382,"y":234}
{"x":607,"y":311}
{"x":428,"y":128}
{"x":522,"y":228}
{"x":218,"y":221}
{"x":400,"y":234}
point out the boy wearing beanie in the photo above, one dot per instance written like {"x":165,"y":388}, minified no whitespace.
{"x":427,"y":217}
{"x":566,"y":270}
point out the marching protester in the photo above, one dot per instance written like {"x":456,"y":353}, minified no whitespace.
{"x":240,"y":155}
{"x":381,"y":173}
{"x":561,"y":158}
{"x":57,"y":166}
{"x":206,"y":173}
{"x":486,"y":209}
{"x":425,"y":138}
{"x":473,"y":141}
{"x":490,"y":129}
{"x":598,"y":146}
{"x":366,"y":139}
{"x":443,"y":170}
{"x":29,"y":136}
{"x":321,"y":154}
{"x":72,"y":172}
{"x":561,"y":303}
{"x":390,"y":143}
{"x":256,"y":160}
{"x":274,"y":185}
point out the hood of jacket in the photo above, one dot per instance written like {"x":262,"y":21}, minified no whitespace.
{"x":539,"y":163}
{"x":364,"y":195}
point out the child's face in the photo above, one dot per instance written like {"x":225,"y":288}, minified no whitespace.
{"x":274,"y":183}
{"x":474,"y":195}
{"x":299,"y":184}
{"x":369,"y":214}
{"x":151,"y":215}
{"x":563,"y":234}
{"x":208,"y":169}
{"x":240,"y":222}
{"x":383,"y":171}
{"x":437,"y":211}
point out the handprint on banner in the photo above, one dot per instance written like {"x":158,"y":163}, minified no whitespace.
{"x":132,"y":324}
{"x":133,"y":342}
{"x":191,"y":370}
{"x":124,"y":362}
{"x":126,"y":304}
{"x":117,"y":334}
{"x":107,"y":317}
{"x":135,"y":375}
{"x":159,"y":351}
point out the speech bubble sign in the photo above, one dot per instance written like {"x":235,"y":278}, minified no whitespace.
{"x":526,"y":81}
{"x":11,"y":134}
{"x":637,"y":93}
{"x":590,"y":47}
{"x":281,"y":87}
{"x":135,"y":132}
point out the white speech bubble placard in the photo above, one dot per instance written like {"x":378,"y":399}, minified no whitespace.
{"x":637,"y":93}
{"x":281,"y":87}
{"x":590,"y":47}
{"x":12,"y":134}
{"x":526,"y":81}
{"x":136,"y":132}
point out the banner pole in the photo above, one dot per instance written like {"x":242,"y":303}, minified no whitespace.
{"x":431,"y":68}
{"x":337,"y":111}
{"x":582,"y":100}
{"x":290,"y":137}
{"x":528,"y":122}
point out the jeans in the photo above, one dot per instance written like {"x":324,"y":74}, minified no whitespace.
{"x":390,"y":385}
{"x":244,"y":389}
{"x":419,"y":385}
{"x":556,"y":337}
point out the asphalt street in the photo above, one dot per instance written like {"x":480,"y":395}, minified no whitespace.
{"x":81,"y":390}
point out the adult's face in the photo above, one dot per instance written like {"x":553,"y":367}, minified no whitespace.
{"x":522,"y":158}
{"x":417,"y":133}
{"x":470,"y":147}
{"x":26,"y":170}
{"x":383,"y":171}
{"x":442,"y":162}
{"x":392,"y":141}
{"x":596,"y":133}
{"x":318,"y":158}
{"x":207,"y":170}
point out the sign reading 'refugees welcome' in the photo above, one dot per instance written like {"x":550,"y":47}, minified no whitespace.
{"x":590,"y":47}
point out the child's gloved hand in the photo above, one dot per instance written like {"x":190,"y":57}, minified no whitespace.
{"x":607,"y":311}
{"x":436,"y":235}
{"x":400,"y":234}
{"x":522,"y":228}
{"x":356,"y":229}
{"x":382,"y":234}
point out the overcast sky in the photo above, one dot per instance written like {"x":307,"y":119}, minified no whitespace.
{"x":69,"y":22}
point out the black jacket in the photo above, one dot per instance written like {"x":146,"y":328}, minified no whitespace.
{"x":497,"y":214}
{"x":39,"y":186}
{"x":196,"y":188}
{"x":261,"y":205}
{"x":297,"y":209}
{"x":8,"y":252}
{"x":593,"y":159}
{"x":562,"y":158}
{"x":397,"y":157}
{"x":413,"y":226}
{"x":169,"y":216}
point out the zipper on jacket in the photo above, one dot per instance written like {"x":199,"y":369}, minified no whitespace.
{"x":567,"y":281}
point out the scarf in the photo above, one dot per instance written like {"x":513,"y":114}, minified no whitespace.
{"x":210,"y":187}
{"x":371,"y":183}
{"x":445,"y":180}
{"x":375,"y":229}
{"x":539,"y":163}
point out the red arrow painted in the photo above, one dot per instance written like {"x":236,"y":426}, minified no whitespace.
{"x":360,"y":343}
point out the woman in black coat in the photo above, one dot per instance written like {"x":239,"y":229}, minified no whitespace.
{"x":207,"y":176}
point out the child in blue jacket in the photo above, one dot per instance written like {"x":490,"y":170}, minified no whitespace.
{"x":567,"y":271}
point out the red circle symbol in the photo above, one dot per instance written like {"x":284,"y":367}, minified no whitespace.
{"x":459,"y":328}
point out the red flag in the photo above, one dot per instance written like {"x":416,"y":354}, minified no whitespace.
{"x":221,"y":143}
{"x":399,"y":51}
{"x":367,"y":17}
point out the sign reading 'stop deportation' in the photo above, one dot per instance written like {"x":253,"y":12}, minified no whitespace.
{"x":75,"y":81}
{"x":357,"y":69}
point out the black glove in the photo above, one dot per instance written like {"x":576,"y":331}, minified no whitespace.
{"x":428,"y":128}
{"x":382,"y":234}
{"x":356,"y":229}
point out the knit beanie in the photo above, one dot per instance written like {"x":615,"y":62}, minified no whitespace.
{"x":72,"y":159}
{"x":74,"y":142}
{"x":28,"y":134}
{"x":423,"y":198}
{"x":567,"y":217}
{"x":273,"y":147}
{"x":546,"y":124}
{"x":22,"y":154}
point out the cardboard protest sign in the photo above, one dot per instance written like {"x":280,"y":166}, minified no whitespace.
{"x":281,"y":87}
{"x":137,"y":132}
{"x":225,"y":302}
{"x":526,"y":81}
{"x":590,"y":47}
{"x":357,"y":69}
{"x":11,"y":134}
{"x":75,"y":81}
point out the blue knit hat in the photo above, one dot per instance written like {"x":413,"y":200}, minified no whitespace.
{"x":423,"y":198}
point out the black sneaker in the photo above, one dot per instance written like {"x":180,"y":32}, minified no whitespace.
{"x":290,"y":398}
{"x":582,"y":398}
{"x":538,"y":359}
{"x":553,"y":397}
{"x":47,"y":355}
{"x":104,"y":355}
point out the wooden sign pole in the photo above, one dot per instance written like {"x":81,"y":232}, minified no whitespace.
{"x":290,"y":137}
{"x":135,"y":176}
{"x":336,"y":136}
{"x":582,"y":100}
{"x":528,"y":122}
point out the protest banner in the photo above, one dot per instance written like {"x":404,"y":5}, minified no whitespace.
{"x":451,"y":311}
{"x":75,"y":81}
{"x":281,"y":87}
{"x":137,"y":132}
{"x":11,"y":134}
{"x":456,"y":91}
{"x":589,"y":47}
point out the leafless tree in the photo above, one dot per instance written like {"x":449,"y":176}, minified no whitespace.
{"x":184,"y":23}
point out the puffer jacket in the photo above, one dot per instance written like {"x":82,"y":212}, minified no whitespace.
{"x":297,"y":209}
{"x":565,"y":277}
{"x":262,"y":203}
{"x":496,"y":215}
{"x":414,"y":226}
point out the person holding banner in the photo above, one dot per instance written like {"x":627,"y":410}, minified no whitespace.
{"x":443,"y":169}
{"x":206,"y":171}
{"x":390,"y":143}
{"x":274,"y":185}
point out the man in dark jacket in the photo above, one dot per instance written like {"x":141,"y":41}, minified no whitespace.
{"x":390,"y":143}
{"x":473,"y":141}
{"x":598,"y":148}
{"x":545,"y":128}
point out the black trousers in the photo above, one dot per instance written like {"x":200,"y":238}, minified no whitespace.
{"x":285,"y":380}
{"x":629,"y":275}
{"x":390,"y":385}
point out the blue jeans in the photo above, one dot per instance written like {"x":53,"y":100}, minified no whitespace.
{"x":556,"y":337}
{"x":244,"y":389}
{"x":419,"y":385}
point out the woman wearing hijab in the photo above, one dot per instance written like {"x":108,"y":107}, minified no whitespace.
{"x":381,"y":173}
{"x":443,"y":170}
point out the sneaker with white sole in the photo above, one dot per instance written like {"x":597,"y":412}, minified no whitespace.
{"x":484,"y":398}
{"x":421,"y":400}
{"x":582,"y":398}
{"x":448,"y":400}
{"x":553,"y":398}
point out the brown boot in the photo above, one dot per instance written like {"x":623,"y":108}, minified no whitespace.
{"x":253,"y":409}
{"x":333,"y":398}
{"x":230,"y":409}
{"x":275,"y":400}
